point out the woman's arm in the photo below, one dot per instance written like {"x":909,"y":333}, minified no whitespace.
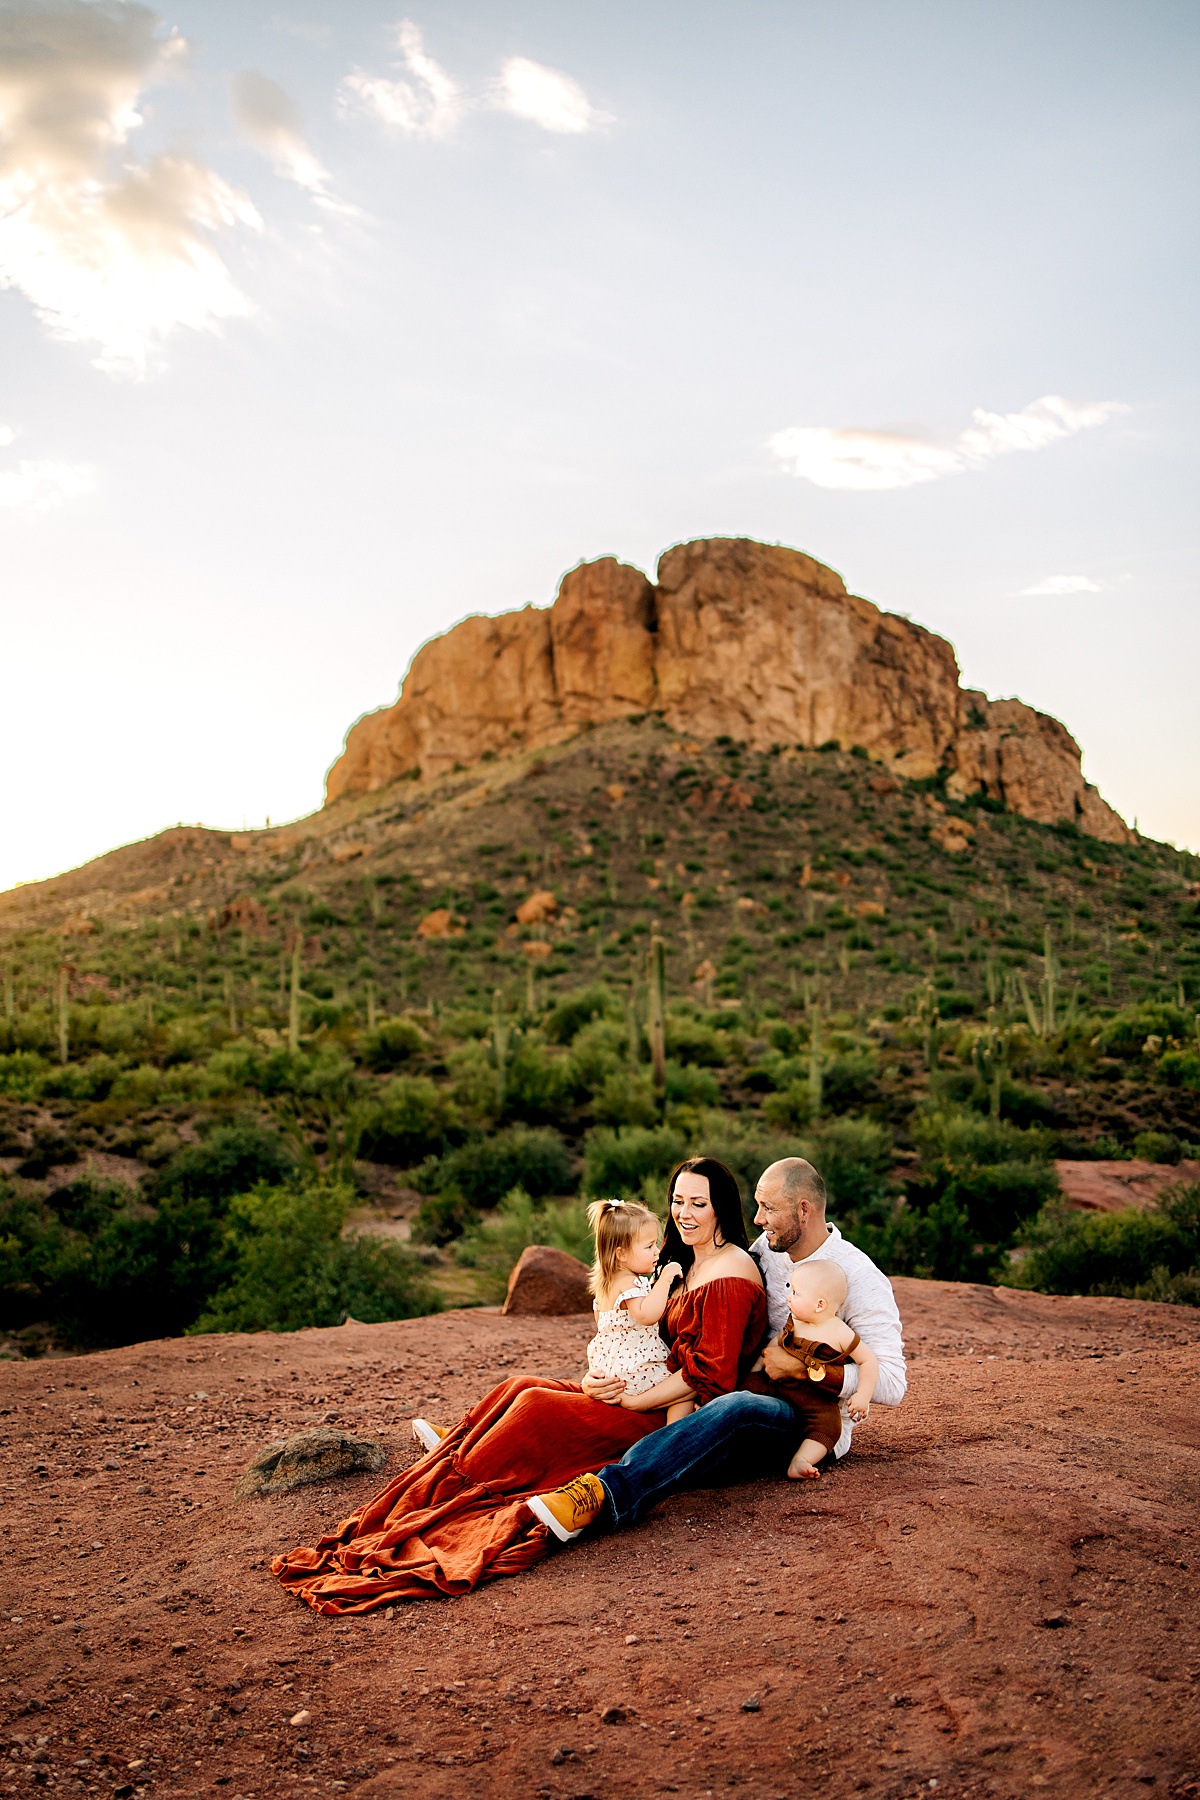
{"x":663,"y":1393}
{"x":725,"y":1322}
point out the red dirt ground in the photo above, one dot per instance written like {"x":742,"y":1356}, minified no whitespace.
{"x":995,"y":1594}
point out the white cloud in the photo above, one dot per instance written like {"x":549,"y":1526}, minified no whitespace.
{"x":1064,"y":584}
{"x":271,"y":121}
{"x":107,"y":251}
{"x":429,"y":104}
{"x":546,"y":97}
{"x":39,"y":486}
{"x":866,"y":460}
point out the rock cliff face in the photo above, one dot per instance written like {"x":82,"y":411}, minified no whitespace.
{"x":737,"y":638}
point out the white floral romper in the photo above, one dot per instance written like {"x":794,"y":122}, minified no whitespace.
{"x":623,"y":1347}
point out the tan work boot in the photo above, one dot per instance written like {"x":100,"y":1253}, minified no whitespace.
{"x":427,"y":1435}
{"x":569,"y":1510}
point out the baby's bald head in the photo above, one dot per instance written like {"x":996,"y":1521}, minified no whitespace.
{"x":817,"y":1289}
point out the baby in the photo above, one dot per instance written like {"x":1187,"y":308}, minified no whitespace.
{"x":626,"y":1303}
{"x":816,"y":1337}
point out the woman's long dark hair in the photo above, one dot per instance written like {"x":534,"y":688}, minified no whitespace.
{"x":726,"y":1199}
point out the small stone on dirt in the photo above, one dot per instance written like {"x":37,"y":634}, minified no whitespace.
{"x":613,"y":1715}
{"x":319,"y":1455}
{"x":300,"y":1718}
{"x":753,"y":1704}
{"x":1055,"y":1621}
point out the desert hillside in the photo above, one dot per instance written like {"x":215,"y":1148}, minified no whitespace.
{"x":430,"y":995}
{"x":995,"y":1594}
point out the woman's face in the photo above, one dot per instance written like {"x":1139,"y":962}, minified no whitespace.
{"x":692,"y":1210}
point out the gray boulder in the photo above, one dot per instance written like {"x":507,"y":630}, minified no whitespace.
{"x":309,"y":1456}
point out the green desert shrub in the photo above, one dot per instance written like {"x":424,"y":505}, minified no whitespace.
{"x":292,"y":1266}
{"x":690,"y":1040}
{"x":597,"y":1051}
{"x":1180,"y":1068}
{"x":493,"y":1245}
{"x":393,"y":1041}
{"x":978,"y":1182}
{"x":484,"y":1169}
{"x":408,"y":1119}
{"x":442,"y":1217}
{"x":850,"y":1081}
{"x":1147,"y":1255}
{"x":855,"y":1157}
{"x":1157,"y":1146}
{"x":617,"y":1160}
{"x":113,"y":1267}
{"x":540,"y":1085}
{"x":1125,"y":1034}
{"x":691,"y":1086}
{"x":230,"y":1160}
{"x":626,"y":1097}
{"x":574,"y":1011}
{"x":22,"y":1073}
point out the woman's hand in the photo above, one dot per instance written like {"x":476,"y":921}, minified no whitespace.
{"x":608,"y":1388}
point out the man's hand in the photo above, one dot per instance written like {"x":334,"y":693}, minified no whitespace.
{"x":779,"y":1366}
{"x":608,"y":1388}
{"x":858,"y":1408}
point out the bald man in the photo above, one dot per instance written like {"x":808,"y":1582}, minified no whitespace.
{"x":741,"y":1435}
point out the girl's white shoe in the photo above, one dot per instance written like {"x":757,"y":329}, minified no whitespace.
{"x":427,"y":1435}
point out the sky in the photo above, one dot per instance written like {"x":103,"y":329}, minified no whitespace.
{"x":325,"y":325}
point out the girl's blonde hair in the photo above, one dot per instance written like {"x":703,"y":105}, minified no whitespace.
{"x":615,"y":1225}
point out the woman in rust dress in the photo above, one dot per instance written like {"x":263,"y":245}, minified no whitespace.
{"x":459,"y":1516}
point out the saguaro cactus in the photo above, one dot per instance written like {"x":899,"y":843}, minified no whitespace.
{"x":500,"y":1041}
{"x":64,"y":1016}
{"x":295,"y":993}
{"x":816,"y":1061}
{"x":656,"y":1019}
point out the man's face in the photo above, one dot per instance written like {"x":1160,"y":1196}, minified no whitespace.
{"x":781,"y":1220}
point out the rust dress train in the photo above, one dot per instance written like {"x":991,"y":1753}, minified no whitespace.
{"x":458,"y":1516}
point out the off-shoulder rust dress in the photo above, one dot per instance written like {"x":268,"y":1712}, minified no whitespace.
{"x":458,"y":1516}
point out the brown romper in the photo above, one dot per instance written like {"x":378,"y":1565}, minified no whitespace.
{"x":813,"y":1399}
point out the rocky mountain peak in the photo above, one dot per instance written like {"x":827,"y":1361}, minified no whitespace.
{"x":753,"y":641}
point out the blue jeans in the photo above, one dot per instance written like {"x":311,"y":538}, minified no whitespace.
{"x":736,"y":1437}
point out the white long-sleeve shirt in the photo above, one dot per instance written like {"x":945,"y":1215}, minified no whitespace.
{"x":870,"y":1309}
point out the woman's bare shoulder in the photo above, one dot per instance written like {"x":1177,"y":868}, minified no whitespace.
{"x":731,"y":1264}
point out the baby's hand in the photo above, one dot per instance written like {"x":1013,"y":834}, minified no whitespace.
{"x":859,"y":1410}
{"x":674,"y":1270}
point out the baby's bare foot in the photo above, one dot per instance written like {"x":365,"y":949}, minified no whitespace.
{"x":803,"y":1472}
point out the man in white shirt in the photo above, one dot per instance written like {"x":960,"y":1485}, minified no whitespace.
{"x":791,"y":1210}
{"x":740,"y":1435}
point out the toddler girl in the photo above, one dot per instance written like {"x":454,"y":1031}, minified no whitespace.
{"x":626,"y":1303}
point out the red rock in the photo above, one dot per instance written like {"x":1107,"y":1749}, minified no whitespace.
{"x":754,"y":641}
{"x":539,"y":906}
{"x":548,"y":1282}
{"x":1117,"y":1186}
